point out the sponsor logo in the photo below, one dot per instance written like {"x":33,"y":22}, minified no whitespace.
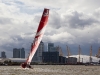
{"x":46,"y":13}
{"x":37,"y":39}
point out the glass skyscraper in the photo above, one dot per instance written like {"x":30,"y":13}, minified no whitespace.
{"x":18,"y":53}
{"x":22,"y":53}
{"x":50,"y":46}
{"x":3,"y":54}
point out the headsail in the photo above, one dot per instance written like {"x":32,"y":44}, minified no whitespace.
{"x":38,"y":37}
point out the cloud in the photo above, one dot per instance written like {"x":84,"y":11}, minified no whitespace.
{"x":4,"y":21}
{"x":55,"y":20}
{"x":79,"y":20}
{"x":82,"y":27}
{"x":97,"y":13}
{"x":70,"y":22}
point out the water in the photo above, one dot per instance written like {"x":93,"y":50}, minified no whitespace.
{"x":51,"y":70}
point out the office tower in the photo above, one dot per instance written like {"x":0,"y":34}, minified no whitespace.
{"x":3,"y":54}
{"x":22,"y":53}
{"x":53,"y":49}
{"x":38,"y":55}
{"x":16,"y":53}
{"x":50,"y":57}
{"x":50,"y":46}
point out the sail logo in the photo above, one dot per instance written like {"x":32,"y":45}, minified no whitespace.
{"x":37,"y":39}
{"x":46,"y":13}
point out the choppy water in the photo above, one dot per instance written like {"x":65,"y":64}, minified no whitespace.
{"x":51,"y":70}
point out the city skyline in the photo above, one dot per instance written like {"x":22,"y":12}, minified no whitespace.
{"x":71,"y":22}
{"x":54,"y":48}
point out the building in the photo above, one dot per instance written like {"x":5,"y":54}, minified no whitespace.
{"x":38,"y":55}
{"x":18,"y":53}
{"x":72,"y":60}
{"x":53,"y":49}
{"x":13,"y":60}
{"x":50,"y":46}
{"x":59,"y":50}
{"x":22,"y":53}
{"x":50,"y":57}
{"x":3,"y":54}
{"x":60,"y":59}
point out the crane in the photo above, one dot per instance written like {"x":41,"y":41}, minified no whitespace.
{"x":91,"y":54}
{"x":60,"y":51}
{"x":79,"y":53}
{"x":68,"y":51}
{"x":68,"y":54}
{"x":98,"y":54}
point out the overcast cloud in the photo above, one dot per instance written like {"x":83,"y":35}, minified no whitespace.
{"x":71,"y":22}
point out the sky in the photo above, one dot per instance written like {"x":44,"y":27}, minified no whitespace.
{"x":71,"y":22}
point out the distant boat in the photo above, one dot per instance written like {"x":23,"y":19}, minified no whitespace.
{"x":38,"y":38}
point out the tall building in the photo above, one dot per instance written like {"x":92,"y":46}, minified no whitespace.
{"x":22,"y":53}
{"x":53,"y":49}
{"x":38,"y":55}
{"x":18,"y":53}
{"x":50,"y":46}
{"x":50,"y":57}
{"x":3,"y":54}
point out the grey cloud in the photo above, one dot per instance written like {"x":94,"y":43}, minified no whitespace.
{"x":12,"y":2}
{"x":56,"y":25}
{"x":73,"y":21}
{"x":55,"y":20}
{"x":19,"y":2}
{"x":76,"y":22}
{"x":28,"y":33}
{"x":37,"y":19}
{"x":97,"y":13}
{"x":4,"y":21}
{"x":17,"y":42}
{"x":17,"y":38}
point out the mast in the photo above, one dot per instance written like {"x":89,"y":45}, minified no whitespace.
{"x":91,"y":54}
{"x":79,"y":53}
{"x":98,"y":54}
{"x":60,"y":51}
{"x":38,"y":37}
{"x":67,"y":51}
{"x":67,"y":54}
